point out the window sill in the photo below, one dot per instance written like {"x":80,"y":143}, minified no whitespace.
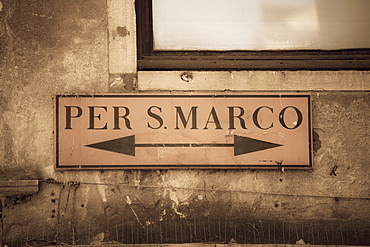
{"x":254,"y":80}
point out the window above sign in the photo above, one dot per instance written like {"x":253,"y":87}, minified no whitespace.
{"x":251,"y":34}
{"x":260,"y":25}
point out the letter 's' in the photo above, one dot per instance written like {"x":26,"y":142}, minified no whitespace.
{"x":155,"y":116}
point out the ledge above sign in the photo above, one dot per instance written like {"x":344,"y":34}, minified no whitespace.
{"x":183,"y":131}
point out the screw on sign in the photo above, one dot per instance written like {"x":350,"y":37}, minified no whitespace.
{"x":183,"y":131}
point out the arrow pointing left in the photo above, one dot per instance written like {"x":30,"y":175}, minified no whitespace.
{"x":126,"y":145}
{"x":123,"y":145}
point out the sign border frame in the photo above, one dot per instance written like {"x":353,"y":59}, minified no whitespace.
{"x":58,"y":167}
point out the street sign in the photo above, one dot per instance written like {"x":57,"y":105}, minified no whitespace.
{"x":146,"y":131}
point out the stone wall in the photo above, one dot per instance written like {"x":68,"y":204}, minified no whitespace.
{"x":50,"y":47}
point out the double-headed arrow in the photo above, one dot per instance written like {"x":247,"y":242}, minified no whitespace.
{"x":126,"y":145}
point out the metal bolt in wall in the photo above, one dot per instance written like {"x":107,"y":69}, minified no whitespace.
{"x":187,"y":76}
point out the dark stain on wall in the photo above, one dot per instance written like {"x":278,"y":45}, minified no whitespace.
{"x":34,"y":22}
{"x":316,"y":142}
{"x":51,"y":23}
{"x":33,"y":31}
{"x":122,"y":31}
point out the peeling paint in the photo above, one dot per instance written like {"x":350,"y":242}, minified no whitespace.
{"x":101,"y":188}
{"x":129,"y":202}
{"x":281,"y":134}
{"x":175,"y":204}
{"x":117,"y":82}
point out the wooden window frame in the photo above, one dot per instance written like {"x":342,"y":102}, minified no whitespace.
{"x":149,"y":59}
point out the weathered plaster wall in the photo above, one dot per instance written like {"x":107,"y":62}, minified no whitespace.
{"x":50,"y":47}
{"x":47,"y":47}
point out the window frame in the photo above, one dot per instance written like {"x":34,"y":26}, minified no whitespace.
{"x":150,"y":59}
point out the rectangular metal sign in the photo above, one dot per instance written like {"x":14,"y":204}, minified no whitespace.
{"x":145,"y":131}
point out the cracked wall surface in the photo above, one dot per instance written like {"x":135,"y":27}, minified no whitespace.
{"x":50,"y":47}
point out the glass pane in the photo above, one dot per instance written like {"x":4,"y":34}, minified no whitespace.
{"x":261,"y":24}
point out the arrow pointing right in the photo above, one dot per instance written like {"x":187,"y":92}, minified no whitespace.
{"x":126,"y":145}
{"x":244,"y":145}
